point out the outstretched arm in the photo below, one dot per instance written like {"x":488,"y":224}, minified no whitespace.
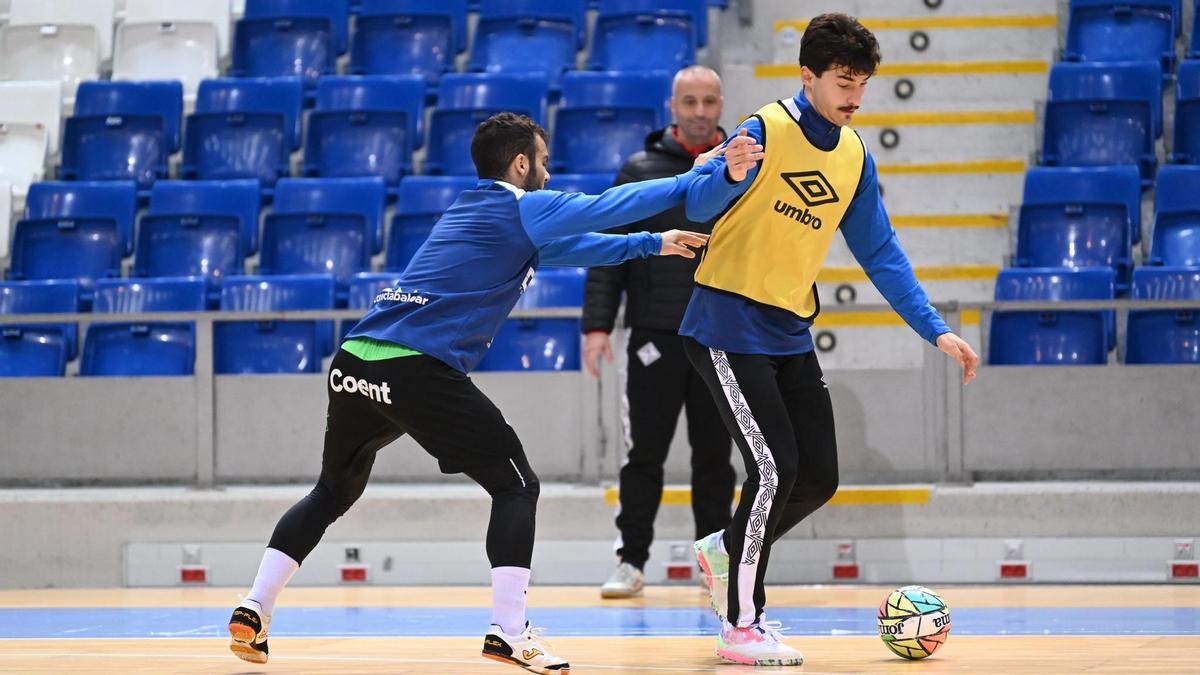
{"x":591,"y":249}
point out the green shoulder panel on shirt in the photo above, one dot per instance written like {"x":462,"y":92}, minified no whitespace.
{"x":376,"y":350}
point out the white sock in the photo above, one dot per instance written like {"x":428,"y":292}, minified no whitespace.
{"x":274,"y":572}
{"x":509,"y":585}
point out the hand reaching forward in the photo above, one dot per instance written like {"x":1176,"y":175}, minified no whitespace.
{"x":681,"y":243}
{"x":741,"y":154}
{"x":958,"y":349}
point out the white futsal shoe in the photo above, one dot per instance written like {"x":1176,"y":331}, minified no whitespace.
{"x":626,"y":581}
{"x":248,"y":632}
{"x":528,"y":650}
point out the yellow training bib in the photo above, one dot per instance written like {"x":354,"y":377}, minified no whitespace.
{"x":769,"y":247}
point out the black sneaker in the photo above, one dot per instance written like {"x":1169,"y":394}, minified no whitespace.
{"x":248,"y":632}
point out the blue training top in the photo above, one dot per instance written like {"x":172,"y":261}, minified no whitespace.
{"x":468,"y":275}
{"x":735,"y":324}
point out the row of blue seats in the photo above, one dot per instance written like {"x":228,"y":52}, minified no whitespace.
{"x":246,"y":347}
{"x":1129,"y":30}
{"x":361,"y":126}
{"x":304,"y":37}
{"x":207,"y":229}
{"x":1075,"y":337}
{"x":1091,"y":217}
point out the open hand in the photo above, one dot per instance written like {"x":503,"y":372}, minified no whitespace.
{"x":595,"y":345}
{"x":681,"y":243}
{"x":958,"y":349}
{"x":741,"y":155}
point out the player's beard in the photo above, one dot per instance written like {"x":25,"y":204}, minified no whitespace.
{"x":534,"y":180}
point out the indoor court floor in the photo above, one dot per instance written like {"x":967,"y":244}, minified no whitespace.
{"x":996,"y":629}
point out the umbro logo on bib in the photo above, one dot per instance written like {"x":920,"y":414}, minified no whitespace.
{"x":812,"y":187}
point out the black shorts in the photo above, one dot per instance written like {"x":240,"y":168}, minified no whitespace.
{"x":438,"y":406}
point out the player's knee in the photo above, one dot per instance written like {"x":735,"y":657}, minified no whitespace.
{"x":817,"y":488}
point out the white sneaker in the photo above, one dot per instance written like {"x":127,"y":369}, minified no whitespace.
{"x":626,"y":581}
{"x":758,"y":645}
{"x":528,"y":650}
{"x":248,"y":632}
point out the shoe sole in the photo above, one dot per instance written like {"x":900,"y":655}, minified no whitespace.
{"x":620,"y":595}
{"x":521,"y":664}
{"x":732,"y":656}
{"x":246,"y":652}
{"x":240,"y":632}
{"x":709,"y":581}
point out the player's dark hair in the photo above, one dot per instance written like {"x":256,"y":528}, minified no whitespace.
{"x":837,"y":40}
{"x":500,"y":138}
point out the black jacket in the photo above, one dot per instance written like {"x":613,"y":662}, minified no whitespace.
{"x":657,"y":288}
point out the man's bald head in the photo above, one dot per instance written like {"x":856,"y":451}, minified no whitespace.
{"x":696,"y":104}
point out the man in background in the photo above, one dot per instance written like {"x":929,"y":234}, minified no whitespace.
{"x":660,"y":380}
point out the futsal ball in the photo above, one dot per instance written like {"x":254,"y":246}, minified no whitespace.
{"x":914,"y":621}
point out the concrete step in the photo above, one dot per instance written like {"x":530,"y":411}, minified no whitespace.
{"x":933,"y":136}
{"x":877,"y":340}
{"x":953,"y":187}
{"x":939,"y":246}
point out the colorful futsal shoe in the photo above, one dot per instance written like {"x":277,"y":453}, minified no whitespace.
{"x":528,"y":650}
{"x":248,"y":632}
{"x":714,"y":563}
{"x":758,"y":645}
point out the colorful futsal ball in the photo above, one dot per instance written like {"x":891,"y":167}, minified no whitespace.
{"x":914,"y":621}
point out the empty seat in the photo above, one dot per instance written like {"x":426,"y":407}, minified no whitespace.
{"x":184,"y":51}
{"x":422,"y":200}
{"x":34,"y":103}
{"x":244,"y":128}
{"x":273,"y":346}
{"x":22,"y":154}
{"x":409,"y":37}
{"x":1164,"y":335}
{"x":1176,"y":236}
{"x":1122,"y":30}
{"x":83,"y":249}
{"x":48,"y":346}
{"x":587,"y":183}
{"x":526,"y":36}
{"x":1186,"y":149}
{"x":122,"y":131}
{"x":604,"y":118}
{"x":1051,"y":338}
{"x":113,"y":201}
{"x":1080,"y":217}
{"x":541,"y":344}
{"x":464,"y":101}
{"x":68,"y":54}
{"x":203,"y":229}
{"x":214,"y":12}
{"x":1103,"y":114}
{"x":302,"y":38}
{"x":633,"y":35}
{"x":94,"y":14}
{"x":323,"y":226}
{"x":143,"y":349}
{"x":365,"y":126}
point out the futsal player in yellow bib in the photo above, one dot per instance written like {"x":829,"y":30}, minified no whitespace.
{"x":746,"y":329}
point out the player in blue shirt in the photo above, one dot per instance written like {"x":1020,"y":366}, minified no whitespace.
{"x":404,"y":367}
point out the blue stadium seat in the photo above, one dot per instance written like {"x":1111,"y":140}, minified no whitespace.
{"x":122,"y":131}
{"x":421,"y":202}
{"x":38,"y":297}
{"x":409,"y":37}
{"x":1175,"y":241}
{"x":1186,"y":149}
{"x":273,"y":346}
{"x":527,"y":36}
{"x":1052,"y":338}
{"x":244,"y":128}
{"x":1080,"y":217}
{"x":587,"y":183}
{"x":604,"y":118}
{"x":110,"y":200}
{"x":634,"y":35}
{"x":297,"y":38}
{"x":143,"y":349}
{"x":1103,"y":114}
{"x":1122,"y":30}
{"x":83,"y":248}
{"x":541,"y":344}
{"x":1164,"y":335}
{"x":464,"y":101}
{"x":365,"y":126}
{"x":324,"y":226}
{"x":198,"y":228}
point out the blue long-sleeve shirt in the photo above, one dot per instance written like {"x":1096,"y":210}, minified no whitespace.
{"x":732,"y":323}
{"x":468,"y":275}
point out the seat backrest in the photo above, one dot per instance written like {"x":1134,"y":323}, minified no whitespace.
{"x":1120,"y":30}
{"x":1066,"y":337}
{"x":160,"y":99}
{"x":277,"y":292}
{"x":337,"y":11}
{"x":1055,"y":284}
{"x":1177,"y":190}
{"x":383,"y":93}
{"x":587,"y":89}
{"x":574,"y":11}
{"x":431,"y":194}
{"x":1164,"y":335}
{"x":1166,"y":283}
{"x":278,"y":95}
{"x":216,"y":12}
{"x":68,"y":54}
{"x":473,"y":91}
{"x":1086,"y":185}
{"x":1187,"y":81}
{"x":37,"y":102}
{"x":46,"y":296}
{"x":1138,"y":81}
{"x":238,"y":198}
{"x":366,"y":285}
{"x":455,"y":9}
{"x":96,"y":13}
{"x":134,"y":296}
{"x":696,"y":10}
{"x":115,"y":200}
{"x":361,"y":196}
{"x":555,"y":287}
{"x":534,"y":344}
{"x":22,"y":154}
{"x":587,"y":183}
{"x":1176,"y":236}
{"x":185,"y":51}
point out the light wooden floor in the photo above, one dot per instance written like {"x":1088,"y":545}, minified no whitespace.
{"x":648,"y":655}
